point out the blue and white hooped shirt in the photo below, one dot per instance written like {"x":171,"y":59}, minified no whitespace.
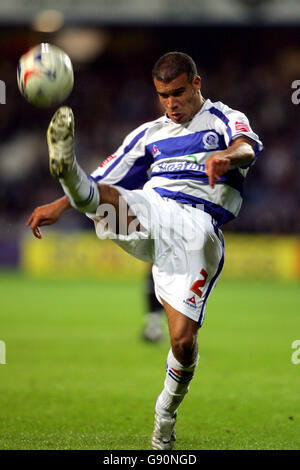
{"x":170,"y":158}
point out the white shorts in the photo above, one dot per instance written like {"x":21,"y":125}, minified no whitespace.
{"x":183,"y":243}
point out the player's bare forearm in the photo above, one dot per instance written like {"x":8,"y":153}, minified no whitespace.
{"x":239,"y":153}
{"x":47,"y":215}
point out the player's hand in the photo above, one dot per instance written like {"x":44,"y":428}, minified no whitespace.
{"x":215,"y":167}
{"x":46,"y":215}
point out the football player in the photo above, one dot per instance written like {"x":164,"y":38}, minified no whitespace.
{"x":198,"y":155}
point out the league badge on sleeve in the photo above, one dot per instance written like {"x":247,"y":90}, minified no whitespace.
{"x":241,"y":127}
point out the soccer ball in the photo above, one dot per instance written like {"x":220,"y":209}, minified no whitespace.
{"x":45,"y":75}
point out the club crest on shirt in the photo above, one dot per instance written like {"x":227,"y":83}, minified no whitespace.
{"x":210,"y":140}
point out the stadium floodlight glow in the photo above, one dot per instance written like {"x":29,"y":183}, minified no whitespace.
{"x":48,"y":21}
{"x":82,"y":44}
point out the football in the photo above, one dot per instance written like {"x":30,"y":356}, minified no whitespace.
{"x":45,"y":75}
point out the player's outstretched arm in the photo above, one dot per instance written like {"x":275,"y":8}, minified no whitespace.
{"x":239,"y":153}
{"x":47,"y":215}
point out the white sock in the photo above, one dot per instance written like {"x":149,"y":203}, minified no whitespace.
{"x":81,"y":191}
{"x":176,"y":386}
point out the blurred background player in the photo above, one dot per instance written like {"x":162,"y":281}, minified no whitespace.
{"x":154,"y":317}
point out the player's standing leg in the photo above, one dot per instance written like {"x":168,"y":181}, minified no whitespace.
{"x":182,"y":361}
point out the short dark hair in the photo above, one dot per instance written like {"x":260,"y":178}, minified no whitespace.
{"x":171,"y":65}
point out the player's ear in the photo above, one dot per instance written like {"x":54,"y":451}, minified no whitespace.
{"x":197,"y":83}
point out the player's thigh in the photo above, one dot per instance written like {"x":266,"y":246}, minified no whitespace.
{"x":110,"y":195}
{"x":184,"y":277}
{"x":123,"y":216}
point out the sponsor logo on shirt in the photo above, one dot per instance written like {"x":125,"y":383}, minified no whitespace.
{"x":241,"y":127}
{"x":107,"y":160}
{"x":210,"y":140}
{"x":179,"y":166}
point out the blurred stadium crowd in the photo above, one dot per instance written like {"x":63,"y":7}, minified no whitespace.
{"x":249,"y":69}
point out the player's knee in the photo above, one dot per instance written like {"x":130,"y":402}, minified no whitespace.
{"x":108,"y":194}
{"x":184,"y":348}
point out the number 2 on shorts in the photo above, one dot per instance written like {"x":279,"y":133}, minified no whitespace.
{"x":199,"y":283}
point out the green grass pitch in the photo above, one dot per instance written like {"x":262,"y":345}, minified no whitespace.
{"x":78,"y":376}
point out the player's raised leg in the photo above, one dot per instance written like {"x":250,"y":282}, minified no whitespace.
{"x":181,"y":364}
{"x":81,"y":191}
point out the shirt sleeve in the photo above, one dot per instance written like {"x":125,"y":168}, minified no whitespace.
{"x":128,"y":166}
{"x":237,"y":125}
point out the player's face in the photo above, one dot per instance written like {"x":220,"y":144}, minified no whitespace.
{"x":180,"y":99}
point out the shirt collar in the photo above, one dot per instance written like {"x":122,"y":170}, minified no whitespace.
{"x":207,"y":103}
